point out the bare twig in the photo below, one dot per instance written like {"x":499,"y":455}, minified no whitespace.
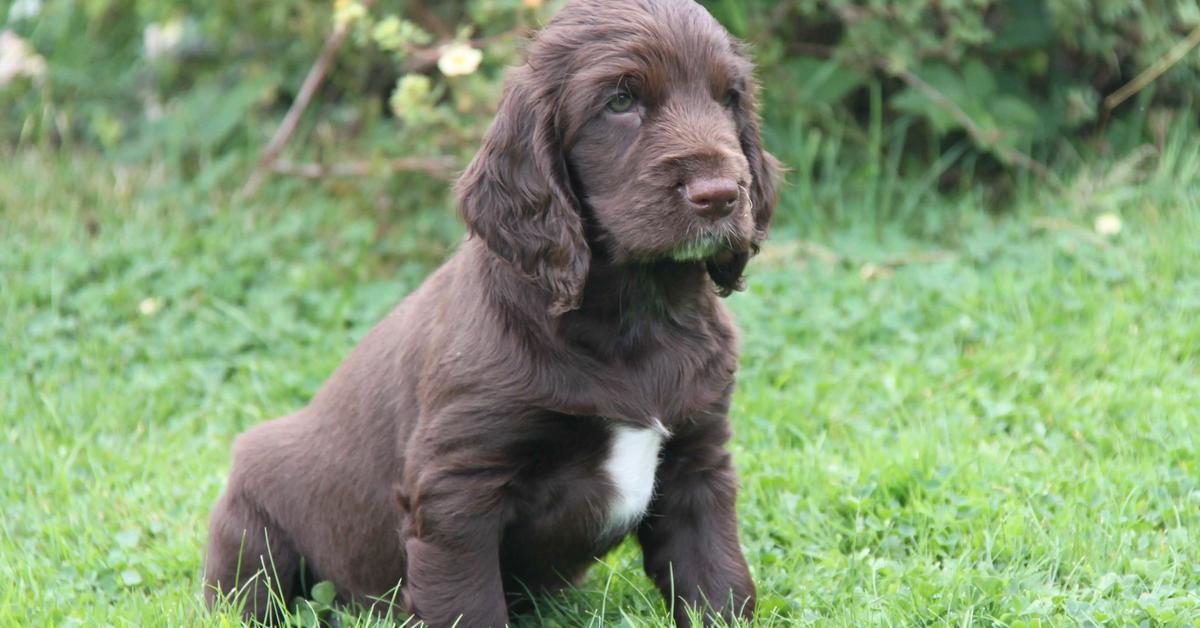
{"x":1065,"y":226}
{"x":784,"y":253}
{"x":425,"y":58}
{"x":919,"y":257}
{"x":977,"y":133}
{"x":1156,"y":69}
{"x":820,"y":251}
{"x":879,"y":270}
{"x":437,"y":166}
{"x":287,"y":128}
{"x":421,"y":59}
{"x":429,"y":20}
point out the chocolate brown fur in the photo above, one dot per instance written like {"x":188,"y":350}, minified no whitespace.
{"x":458,"y":449}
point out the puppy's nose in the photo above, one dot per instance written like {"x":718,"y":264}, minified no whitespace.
{"x":712,"y":198}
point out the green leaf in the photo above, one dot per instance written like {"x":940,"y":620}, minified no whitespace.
{"x":822,"y":82}
{"x":1024,"y":24}
{"x":131,"y":578}
{"x":128,"y":539}
{"x":1010,"y":111}
{"x":323,"y":593}
{"x":217,"y":111}
{"x":914,"y":102}
{"x":307,"y":617}
{"x":946,"y":80}
{"x":978,"y":79}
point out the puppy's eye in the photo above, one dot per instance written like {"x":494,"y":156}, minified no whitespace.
{"x":731,"y":98}
{"x":621,"y":102}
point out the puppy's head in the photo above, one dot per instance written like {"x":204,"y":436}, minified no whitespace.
{"x":635,"y":118}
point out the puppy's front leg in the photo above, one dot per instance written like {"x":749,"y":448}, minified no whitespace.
{"x":689,"y":537}
{"x":455,"y":583}
{"x":457,"y":510}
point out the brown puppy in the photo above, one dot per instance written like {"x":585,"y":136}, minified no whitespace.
{"x":560,"y":382}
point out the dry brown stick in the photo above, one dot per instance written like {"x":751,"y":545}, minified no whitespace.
{"x":287,"y":128}
{"x":978,"y":134}
{"x":429,"y":20}
{"x":919,"y":257}
{"x":939,"y":99}
{"x":437,"y":166}
{"x":816,"y":250}
{"x":313,"y":81}
{"x":1156,"y":69}
{"x":819,"y":251}
{"x":885,"y":268}
{"x":1065,"y":226}
{"x":421,"y":59}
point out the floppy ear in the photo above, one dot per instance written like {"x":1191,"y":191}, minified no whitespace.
{"x":764,"y":169}
{"x":515,"y":195}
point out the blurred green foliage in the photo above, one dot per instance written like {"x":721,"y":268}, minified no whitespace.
{"x":186,"y":81}
{"x":1027,"y":73}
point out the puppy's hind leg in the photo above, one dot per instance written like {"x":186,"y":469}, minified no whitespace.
{"x":251,"y":562}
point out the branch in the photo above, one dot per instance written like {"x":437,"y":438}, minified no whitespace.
{"x":436,"y":166}
{"x":974,"y":130}
{"x":422,"y":59}
{"x":312,"y":82}
{"x":1156,"y":69}
{"x":964,"y":120}
{"x":1065,"y":226}
{"x":426,"y":58}
{"x":429,"y":20}
{"x":919,"y":257}
{"x":816,"y":250}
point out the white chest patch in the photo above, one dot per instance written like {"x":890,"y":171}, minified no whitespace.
{"x":630,"y":467}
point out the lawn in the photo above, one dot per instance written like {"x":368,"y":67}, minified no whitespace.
{"x":946,"y":415}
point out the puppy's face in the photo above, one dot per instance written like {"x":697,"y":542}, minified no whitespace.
{"x":658,"y":104}
{"x":630,"y":134}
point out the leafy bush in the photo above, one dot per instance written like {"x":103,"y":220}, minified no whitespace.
{"x":170,"y":77}
{"x":1022,"y":73}
{"x":187,"y":81}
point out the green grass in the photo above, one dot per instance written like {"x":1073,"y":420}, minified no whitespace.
{"x":946,"y":417}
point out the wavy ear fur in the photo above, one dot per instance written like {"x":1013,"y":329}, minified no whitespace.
{"x":764,"y":170}
{"x":515,"y":195}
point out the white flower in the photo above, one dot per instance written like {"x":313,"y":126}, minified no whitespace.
{"x":161,"y":40}
{"x":149,"y":306}
{"x":18,"y":59}
{"x":1108,"y":224}
{"x":459,"y":60}
{"x":24,"y":10}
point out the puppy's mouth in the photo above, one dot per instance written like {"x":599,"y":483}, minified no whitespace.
{"x":719,"y":242}
{"x":702,"y":248}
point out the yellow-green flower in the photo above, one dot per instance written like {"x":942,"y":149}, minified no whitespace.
{"x":387,"y":33}
{"x":459,"y":60}
{"x":347,"y":11}
{"x":408,"y":101}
